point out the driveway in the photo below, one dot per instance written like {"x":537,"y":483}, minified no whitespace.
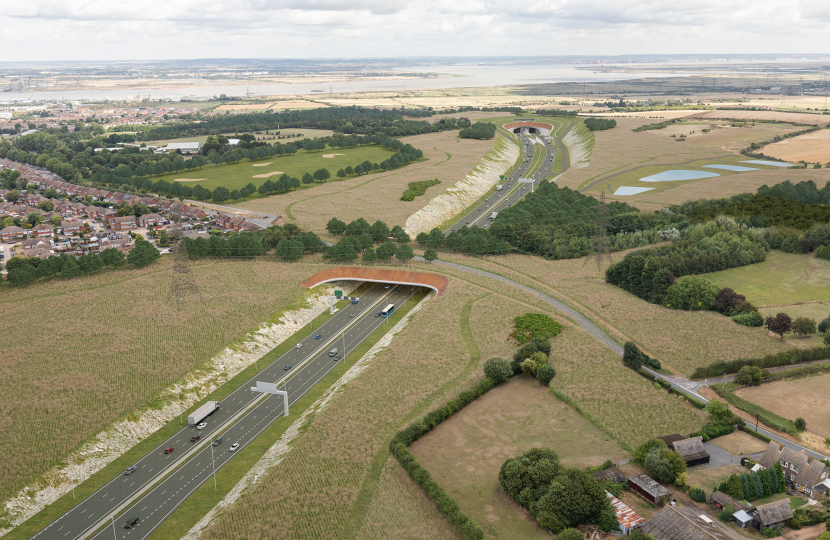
{"x":719,"y":457}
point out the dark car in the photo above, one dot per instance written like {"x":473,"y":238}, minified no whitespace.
{"x":217,"y":442}
{"x":132,"y":522}
{"x":169,"y":450}
{"x":377,"y":314}
{"x":196,"y":438}
{"x":287,"y":367}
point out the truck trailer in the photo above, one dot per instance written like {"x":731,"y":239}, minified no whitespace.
{"x":202,"y":412}
{"x":493,"y":215}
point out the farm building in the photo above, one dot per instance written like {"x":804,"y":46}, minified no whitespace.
{"x":649,"y":489}
{"x":742,"y":518}
{"x":807,"y":475}
{"x":719,"y":499}
{"x":690,"y":449}
{"x":612,"y":474}
{"x":627,"y":519}
{"x":673,"y":523}
{"x":774,"y":514}
{"x":184,"y":147}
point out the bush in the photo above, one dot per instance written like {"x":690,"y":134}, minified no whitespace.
{"x":545,"y":374}
{"x":827,"y":338}
{"x":824,"y":326}
{"x":726,"y":514}
{"x":749,"y":319}
{"x":772,"y":532}
{"x":498,"y":369}
{"x":570,"y":534}
{"x":804,"y":326}
{"x":697,"y":494}
{"x":632,"y":355}
{"x":794,"y":523}
{"x":800,"y":424}
{"x":532,"y":326}
{"x":823,"y":252}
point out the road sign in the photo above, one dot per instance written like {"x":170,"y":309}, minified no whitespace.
{"x":501,"y":176}
{"x":271,"y":388}
{"x":338,"y":293}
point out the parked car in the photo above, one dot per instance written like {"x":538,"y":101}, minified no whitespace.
{"x":197,"y":438}
{"x":169,"y":450}
{"x":202,"y":425}
{"x":132,"y":522}
{"x":233,"y":447}
{"x":131,"y":469}
{"x":287,"y":367}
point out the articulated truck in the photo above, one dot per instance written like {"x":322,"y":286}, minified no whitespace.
{"x":202,"y":412}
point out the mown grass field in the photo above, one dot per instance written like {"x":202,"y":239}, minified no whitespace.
{"x":682,"y":340}
{"x":784,"y":278}
{"x":98,"y":347}
{"x":238,"y":175}
{"x":808,"y":398}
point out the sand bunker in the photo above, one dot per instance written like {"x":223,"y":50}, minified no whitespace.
{"x":266,"y":175}
{"x":262,"y":164}
{"x":332,"y":155}
{"x":189,"y":179}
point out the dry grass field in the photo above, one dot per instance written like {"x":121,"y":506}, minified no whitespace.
{"x":808,"y":398}
{"x":377,"y":196}
{"x":682,"y":340}
{"x":722,"y":135}
{"x":800,"y":118}
{"x":740,"y":443}
{"x":464,"y":453}
{"x":812,"y":147}
{"x":90,"y":350}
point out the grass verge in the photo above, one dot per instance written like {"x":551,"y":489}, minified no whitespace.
{"x":99,"y":479}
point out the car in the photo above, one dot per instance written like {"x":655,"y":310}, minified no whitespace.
{"x":287,"y":367}
{"x":132,"y":522}
{"x":131,"y":469}
{"x":197,"y":438}
{"x":202,"y":425}
{"x":298,"y":345}
{"x":169,"y":450}
{"x":386,"y":287}
{"x":217,"y":442}
{"x":351,"y":315}
{"x":355,"y":301}
{"x":377,"y":314}
{"x":318,"y":336}
{"x":233,"y":447}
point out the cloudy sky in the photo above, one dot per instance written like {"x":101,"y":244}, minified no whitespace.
{"x":162,"y":29}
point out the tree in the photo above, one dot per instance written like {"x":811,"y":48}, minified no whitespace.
{"x":380,"y":231}
{"x":34,"y":218}
{"x":386,"y":251}
{"x":369,"y":255}
{"x":56,"y":221}
{"x":365,"y":240}
{"x":430,"y":255}
{"x":290,"y":249}
{"x":21,"y":275}
{"x":70,"y":268}
{"x":143,"y":254}
{"x":802,"y":326}
{"x":779,"y":325}
{"x":697,"y":494}
{"x":632,"y":356}
{"x":726,"y":514}
{"x":46,"y":206}
{"x":498,"y":369}
{"x":646,"y":448}
{"x":12,"y":196}
{"x":335,"y":226}
{"x":435,"y":238}
{"x":658,"y":466}
{"x":733,"y":487}
{"x":800,"y":424}
{"x":404,"y":253}
{"x":824,"y":326}
{"x":533,"y":363}
{"x":235,"y":195}
{"x":545,"y":373}
{"x":749,"y":376}
{"x":307,"y":179}
{"x":341,"y":174}
{"x":691,"y":293}
{"x":221,"y":194}
{"x":421,"y":238}
{"x":570,"y":534}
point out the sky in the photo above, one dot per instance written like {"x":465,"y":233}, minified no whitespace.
{"x":32,"y":30}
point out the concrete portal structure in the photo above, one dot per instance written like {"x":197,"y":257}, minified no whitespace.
{"x":529,"y":127}
{"x":435,"y":282}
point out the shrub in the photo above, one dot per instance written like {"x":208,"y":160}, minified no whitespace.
{"x":632,"y":355}
{"x":772,"y":532}
{"x":824,"y":326}
{"x":694,"y":293}
{"x":823,"y":252}
{"x":804,"y":326}
{"x":697,"y":494}
{"x":749,"y":319}
{"x":545,"y":374}
{"x":599,"y":124}
{"x":498,"y":369}
{"x":726,"y":514}
{"x":800,"y":424}
{"x":533,"y":363}
{"x":827,"y":338}
{"x":794,"y":523}
{"x":727,"y":301}
{"x":532,"y":326}
{"x":570,"y":534}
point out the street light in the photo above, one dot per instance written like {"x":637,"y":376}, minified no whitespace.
{"x":214,"y":466}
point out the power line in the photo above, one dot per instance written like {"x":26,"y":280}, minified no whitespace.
{"x":600,"y":245}
{"x":182,"y":284}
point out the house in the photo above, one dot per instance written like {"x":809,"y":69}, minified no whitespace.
{"x":612,"y":474}
{"x":122,"y":223}
{"x":720,"y":500}
{"x":193,"y":213}
{"x":774,"y":514}
{"x":70,"y":227}
{"x":692,"y":451}
{"x":148,"y":219}
{"x":675,"y":523}
{"x":649,"y":489}
{"x":12,"y":233}
{"x":807,"y":475}
{"x":627,"y":519}
{"x":42,"y":230}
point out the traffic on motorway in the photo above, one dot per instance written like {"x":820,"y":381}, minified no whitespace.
{"x":163,"y":479}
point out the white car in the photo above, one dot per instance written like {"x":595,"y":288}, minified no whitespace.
{"x":203,"y":425}
{"x":233,"y":447}
{"x":298,"y":345}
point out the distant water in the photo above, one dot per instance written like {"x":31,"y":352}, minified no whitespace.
{"x":675,"y":175}
{"x":462,"y":76}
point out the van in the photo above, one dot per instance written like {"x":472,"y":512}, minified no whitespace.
{"x":333,"y":352}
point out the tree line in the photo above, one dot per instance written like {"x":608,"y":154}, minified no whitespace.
{"x":479,"y":130}
{"x":599,"y":124}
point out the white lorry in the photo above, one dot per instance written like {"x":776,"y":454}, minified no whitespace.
{"x":202,"y":412}
{"x":493,"y":215}
{"x":498,"y":188}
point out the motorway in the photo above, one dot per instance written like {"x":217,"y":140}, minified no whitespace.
{"x":164,"y":481}
{"x":515,"y":187}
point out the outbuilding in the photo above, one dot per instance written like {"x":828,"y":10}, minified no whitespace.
{"x":774,"y":514}
{"x":649,"y":489}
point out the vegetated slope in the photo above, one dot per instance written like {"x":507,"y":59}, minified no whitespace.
{"x":99,"y":346}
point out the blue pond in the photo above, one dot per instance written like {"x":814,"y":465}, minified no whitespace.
{"x":773,"y":163}
{"x":677,"y":175}
{"x":628,"y":190}
{"x":735,"y":168}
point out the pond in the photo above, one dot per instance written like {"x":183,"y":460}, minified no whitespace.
{"x":763,"y":162}
{"x":677,"y":175}
{"x":735,"y":168}
{"x":628,"y":190}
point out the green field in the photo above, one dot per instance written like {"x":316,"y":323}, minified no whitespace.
{"x":784,"y":278}
{"x":238,"y":175}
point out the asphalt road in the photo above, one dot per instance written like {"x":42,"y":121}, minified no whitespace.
{"x":513,"y":189}
{"x":311,"y":363}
